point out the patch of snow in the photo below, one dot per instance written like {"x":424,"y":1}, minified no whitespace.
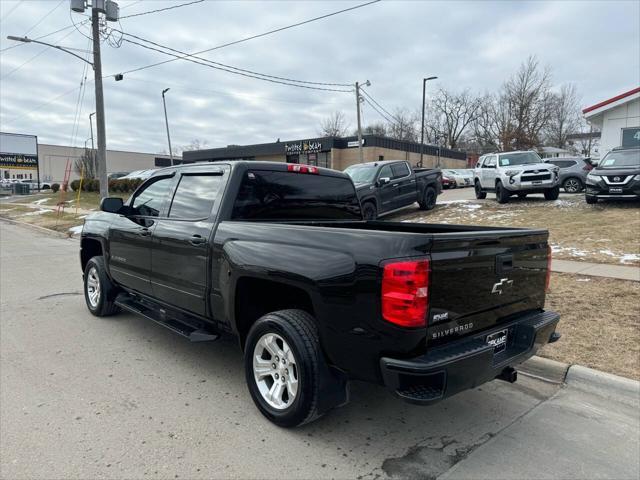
{"x":41,"y":201}
{"x":473,"y":206}
{"x":608,"y":252}
{"x":629,"y":257}
{"x":447,"y":202}
{"x":583,"y":280}
{"x":37,"y":212}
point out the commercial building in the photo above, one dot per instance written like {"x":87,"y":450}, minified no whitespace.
{"x":21,"y":156}
{"x":618,"y":120}
{"x":334,"y":152}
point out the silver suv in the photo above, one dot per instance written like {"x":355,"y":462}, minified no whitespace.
{"x":515,"y":173}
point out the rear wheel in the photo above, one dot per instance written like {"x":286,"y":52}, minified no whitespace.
{"x":552,"y":193}
{"x":572,"y":185}
{"x":282,"y":366}
{"x":480,"y":194}
{"x":590,"y":199}
{"x":429,"y":197}
{"x":99,"y":292}
{"x":502,"y":195}
{"x":369,"y":211}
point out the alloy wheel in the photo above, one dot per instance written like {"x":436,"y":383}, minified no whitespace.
{"x":275,"y":371}
{"x":571,"y":185}
{"x":93,"y":287}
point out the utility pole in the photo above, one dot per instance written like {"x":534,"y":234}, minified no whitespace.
{"x":360,"y":151}
{"x":91,"y":127}
{"x":166,"y":121}
{"x":100,"y":120}
{"x":424,"y":87}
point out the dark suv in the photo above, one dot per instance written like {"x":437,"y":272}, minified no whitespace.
{"x":616,"y":176}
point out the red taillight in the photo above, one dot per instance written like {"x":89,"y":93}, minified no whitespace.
{"x":294,"y":167}
{"x":405,"y":293}
{"x":587,"y":167}
{"x":548,"y":279}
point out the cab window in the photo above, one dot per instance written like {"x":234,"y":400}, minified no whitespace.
{"x":385,"y":172}
{"x":148,"y":202}
{"x":400,"y":170}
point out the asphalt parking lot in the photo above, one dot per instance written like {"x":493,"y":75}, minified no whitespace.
{"x":121,"y":397}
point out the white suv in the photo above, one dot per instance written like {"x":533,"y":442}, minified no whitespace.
{"x":515,"y":173}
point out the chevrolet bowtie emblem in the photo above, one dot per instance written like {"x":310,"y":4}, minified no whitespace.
{"x":504,"y":283}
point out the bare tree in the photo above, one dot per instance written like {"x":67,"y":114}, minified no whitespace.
{"x":334,"y":125}
{"x":404,"y":126}
{"x":564,"y":117}
{"x":86,"y":165}
{"x":514,"y":119}
{"x":375,"y":129}
{"x":195,"y":144}
{"x":450,"y":115}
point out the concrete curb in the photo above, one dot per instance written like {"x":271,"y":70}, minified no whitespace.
{"x":37,"y":228}
{"x":544,"y":369}
{"x":604,"y":384}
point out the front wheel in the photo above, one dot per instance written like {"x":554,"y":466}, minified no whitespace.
{"x":429,"y":197}
{"x":552,"y":193}
{"x":283,"y":361}
{"x":480,"y":194}
{"x":99,"y":292}
{"x":502,"y":195}
{"x":369,"y":211}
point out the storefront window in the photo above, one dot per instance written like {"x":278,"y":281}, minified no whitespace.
{"x":293,"y":158}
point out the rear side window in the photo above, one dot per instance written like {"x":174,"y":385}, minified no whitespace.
{"x":399,"y":170}
{"x":195,"y":196}
{"x":276,"y":195}
{"x":563,"y":163}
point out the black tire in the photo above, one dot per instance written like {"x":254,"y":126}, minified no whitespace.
{"x":480,"y":194}
{"x":591,"y":200}
{"x":552,"y":193}
{"x":502,"y":195}
{"x":522,"y":196}
{"x":429,"y":198}
{"x":104,"y":304}
{"x":369,"y":211}
{"x":297,"y":328}
{"x":572,"y":185}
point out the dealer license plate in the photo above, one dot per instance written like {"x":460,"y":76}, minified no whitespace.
{"x":537,"y":182}
{"x":498,"y":340}
{"x":615,"y":190}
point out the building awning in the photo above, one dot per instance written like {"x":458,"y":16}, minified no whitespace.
{"x":611,"y":103}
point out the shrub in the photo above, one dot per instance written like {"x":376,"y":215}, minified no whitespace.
{"x":55,"y":187}
{"x":75,"y":184}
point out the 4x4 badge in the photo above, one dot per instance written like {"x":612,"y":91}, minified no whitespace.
{"x":504,"y":283}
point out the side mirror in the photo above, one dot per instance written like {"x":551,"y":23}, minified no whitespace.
{"x":383,"y":181}
{"x":111,"y":204}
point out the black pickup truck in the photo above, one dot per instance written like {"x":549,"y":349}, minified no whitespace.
{"x":388,"y":186}
{"x":279,"y":256}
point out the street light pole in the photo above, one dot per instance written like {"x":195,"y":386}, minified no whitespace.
{"x":166,"y":121}
{"x":424,"y":87}
{"x":360,"y":151}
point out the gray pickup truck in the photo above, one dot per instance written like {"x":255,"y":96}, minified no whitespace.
{"x":387,"y":186}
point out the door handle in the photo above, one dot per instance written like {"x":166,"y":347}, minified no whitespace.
{"x":197,"y":240}
{"x":144,"y":232}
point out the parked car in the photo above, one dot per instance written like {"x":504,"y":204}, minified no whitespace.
{"x":515,"y":173}
{"x":138,"y":174}
{"x":616,"y":176}
{"x":448,"y":181}
{"x":279,"y":256}
{"x":116,"y":175}
{"x":462,"y":178}
{"x":387,"y":186}
{"x":573,"y":172}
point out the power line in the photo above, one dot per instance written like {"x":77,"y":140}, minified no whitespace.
{"x":188,"y":59}
{"x":378,"y":111}
{"x":44,"y":36}
{"x":235,"y":68}
{"x":44,"y":17}
{"x":161,"y":9}
{"x":33,"y":58}
{"x":252,"y":37}
{"x":374,"y":101}
{"x":11,"y":11}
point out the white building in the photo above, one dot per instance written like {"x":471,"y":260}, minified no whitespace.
{"x":618,"y":119}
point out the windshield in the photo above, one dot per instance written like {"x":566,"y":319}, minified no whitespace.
{"x":361,"y":173}
{"x":621,"y":159}
{"x":519,"y":158}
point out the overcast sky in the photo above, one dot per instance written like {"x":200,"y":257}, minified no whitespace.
{"x":474,"y":45}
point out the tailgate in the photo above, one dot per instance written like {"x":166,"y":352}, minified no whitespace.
{"x":481,"y":279}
